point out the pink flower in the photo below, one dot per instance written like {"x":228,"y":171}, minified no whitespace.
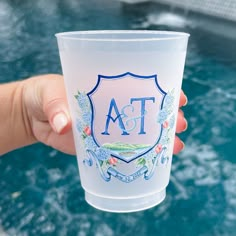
{"x":166,"y":124}
{"x":113,"y":161}
{"x":87,"y":130}
{"x":158,"y":148}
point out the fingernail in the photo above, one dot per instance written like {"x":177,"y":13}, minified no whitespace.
{"x":60,"y":121}
{"x":182,"y":145}
{"x":186,"y":125}
{"x":186,"y":100}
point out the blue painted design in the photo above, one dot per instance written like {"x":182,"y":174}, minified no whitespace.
{"x":92,"y":156}
{"x":162,"y":116}
{"x":172,"y":121}
{"x":127,"y":178}
{"x":113,"y":107}
{"x":79,"y":125}
{"x":169,"y":100}
{"x":143,"y":111}
{"x":116,"y":115}
{"x":164,"y":137}
{"x":89,"y":142}
{"x":124,"y":116}
{"x":148,"y":175}
{"x":82,"y":100}
{"x":105,"y":159}
{"x":103,"y":154}
{"x":100,"y":77}
{"x":87,"y":118}
{"x":106,"y":175}
{"x":164,"y":160}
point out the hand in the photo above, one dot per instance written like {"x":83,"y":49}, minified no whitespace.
{"x":45,"y":101}
{"x":181,"y":125}
{"x":46,"y":105}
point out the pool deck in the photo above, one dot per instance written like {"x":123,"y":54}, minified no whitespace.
{"x":217,"y":8}
{"x":220,"y":33}
{"x":168,"y":13}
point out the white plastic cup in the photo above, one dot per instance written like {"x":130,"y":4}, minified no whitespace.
{"x":123,"y":90}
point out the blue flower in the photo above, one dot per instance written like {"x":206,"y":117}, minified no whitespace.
{"x":164,"y":137}
{"x":169,"y":100}
{"x":172,"y":121}
{"x":103,"y":154}
{"x":82,"y":101}
{"x":86,"y":117}
{"x":89,"y":143}
{"x":79,"y":125}
{"x":162,"y":116}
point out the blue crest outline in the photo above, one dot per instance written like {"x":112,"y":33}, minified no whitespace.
{"x":100,"y":77}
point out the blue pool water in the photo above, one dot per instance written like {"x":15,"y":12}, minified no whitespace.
{"x":40,"y":192}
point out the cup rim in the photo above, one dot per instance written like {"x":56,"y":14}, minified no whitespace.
{"x":154,"y":35}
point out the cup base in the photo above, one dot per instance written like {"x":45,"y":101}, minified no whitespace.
{"x":125,"y":205}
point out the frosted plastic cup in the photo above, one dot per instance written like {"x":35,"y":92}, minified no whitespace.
{"x":123,"y":90}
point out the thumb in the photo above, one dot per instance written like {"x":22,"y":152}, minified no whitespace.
{"x":55,"y":104}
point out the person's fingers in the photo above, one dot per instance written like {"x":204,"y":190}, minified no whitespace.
{"x":182,"y":123}
{"x":64,"y":143}
{"x":178,"y":145}
{"x":55,"y":105}
{"x":183,"y":99}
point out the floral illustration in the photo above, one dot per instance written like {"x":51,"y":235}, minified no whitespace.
{"x":113,"y":161}
{"x":84,"y":127}
{"x":106,"y":162}
{"x":167,"y":120}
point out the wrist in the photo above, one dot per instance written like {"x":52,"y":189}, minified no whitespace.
{"x":14,"y":121}
{"x":25,"y":85}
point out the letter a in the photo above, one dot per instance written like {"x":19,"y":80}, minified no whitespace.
{"x":114,"y":107}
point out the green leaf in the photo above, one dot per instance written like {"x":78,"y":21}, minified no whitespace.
{"x":141,"y":161}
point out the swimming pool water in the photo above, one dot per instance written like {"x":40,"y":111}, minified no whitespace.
{"x":40,"y":192}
